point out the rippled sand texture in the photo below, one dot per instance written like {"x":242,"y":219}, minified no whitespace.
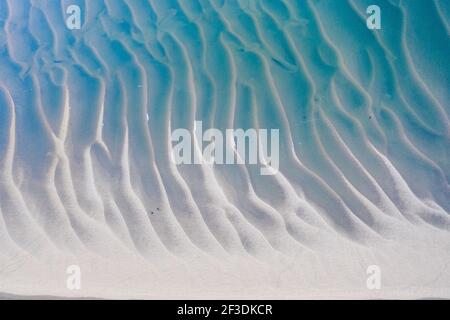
{"x":85,"y":123}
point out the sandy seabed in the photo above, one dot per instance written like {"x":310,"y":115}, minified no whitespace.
{"x":85,"y":172}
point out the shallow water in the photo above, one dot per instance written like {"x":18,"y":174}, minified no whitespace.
{"x":85,"y":145}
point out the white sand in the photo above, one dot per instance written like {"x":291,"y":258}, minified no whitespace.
{"x":85,"y":175}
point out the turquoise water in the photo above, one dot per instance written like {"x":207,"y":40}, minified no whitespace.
{"x":86,"y":117}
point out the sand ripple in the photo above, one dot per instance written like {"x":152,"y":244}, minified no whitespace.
{"x":85,"y":170}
